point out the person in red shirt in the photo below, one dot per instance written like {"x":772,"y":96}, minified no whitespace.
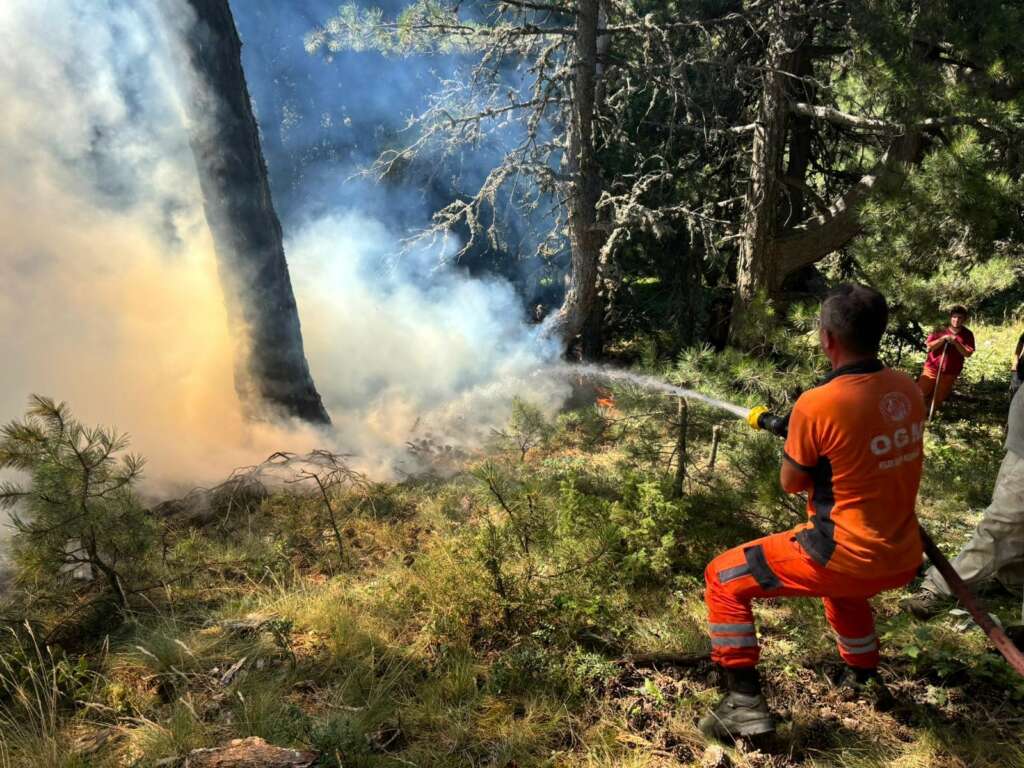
{"x":947,"y":349}
{"x":854,"y":444}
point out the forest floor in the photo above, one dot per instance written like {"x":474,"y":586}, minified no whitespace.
{"x":488,"y":617}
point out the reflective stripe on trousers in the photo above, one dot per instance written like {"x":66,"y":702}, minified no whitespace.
{"x":733,"y":635}
{"x":857,"y":645}
{"x":776,"y":566}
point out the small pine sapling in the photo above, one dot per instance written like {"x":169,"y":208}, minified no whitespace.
{"x":527,"y":428}
{"x":76,"y":513}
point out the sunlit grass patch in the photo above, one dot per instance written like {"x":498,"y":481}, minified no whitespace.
{"x":677,"y":624}
{"x":38,"y":691}
{"x":991,"y":358}
{"x":175,"y":733}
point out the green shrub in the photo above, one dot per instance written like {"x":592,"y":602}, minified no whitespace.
{"x":527,"y":429}
{"x":78,"y":514}
{"x":648,"y":525}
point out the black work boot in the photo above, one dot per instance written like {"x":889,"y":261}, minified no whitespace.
{"x":743,"y":711}
{"x":924,"y":604}
{"x":865,"y":684}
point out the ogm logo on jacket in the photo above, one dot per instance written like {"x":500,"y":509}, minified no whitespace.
{"x":895,"y":407}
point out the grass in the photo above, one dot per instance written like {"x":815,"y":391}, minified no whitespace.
{"x":180,"y":731}
{"x":464,"y":629}
{"x":37,"y":685}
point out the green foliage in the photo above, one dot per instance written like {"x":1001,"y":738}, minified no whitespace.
{"x":530,"y":666}
{"x":775,"y":381}
{"x":38,"y":687}
{"x":78,"y":510}
{"x":527,"y":429}
{"x":424,"y":26}
{"x":949,"y":235}
{"x":759,"y":329}
{"x":961,"y":466}
{"x":940,"y":654}
{"x":649,"y":527}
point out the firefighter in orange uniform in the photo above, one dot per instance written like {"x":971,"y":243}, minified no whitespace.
{"x":854,"y":444}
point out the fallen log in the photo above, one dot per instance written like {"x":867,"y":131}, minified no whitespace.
{"x":253,"y":752}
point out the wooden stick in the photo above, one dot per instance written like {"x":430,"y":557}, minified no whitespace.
{"x":666,"y":658}
{"x":938,"y":378}
{"x":680,"y":477}
{"x":716,"y":437}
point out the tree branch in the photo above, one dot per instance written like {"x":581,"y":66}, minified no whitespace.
{"x":838,"y":117}
{"x":814,"y":239}
{"x":799,"y":184}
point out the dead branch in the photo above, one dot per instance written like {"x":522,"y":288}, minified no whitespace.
{"x":664,"y":658}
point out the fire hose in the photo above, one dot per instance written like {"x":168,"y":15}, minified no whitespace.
{"x":761,"y":419}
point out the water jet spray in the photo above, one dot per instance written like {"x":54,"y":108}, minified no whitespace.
{"x":651,"y":383}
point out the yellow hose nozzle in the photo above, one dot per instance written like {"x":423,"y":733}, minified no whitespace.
{"x":754,"y":415}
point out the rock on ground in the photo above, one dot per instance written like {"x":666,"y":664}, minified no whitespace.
{"x":253,"y":752}
{"x":715,"y":757}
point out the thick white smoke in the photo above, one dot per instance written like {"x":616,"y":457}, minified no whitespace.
{"x":110,"y":298}
{"x":395,"y":356}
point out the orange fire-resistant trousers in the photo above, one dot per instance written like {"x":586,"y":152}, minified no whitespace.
{"x":926,"y":382}
{"x":776,"y":566}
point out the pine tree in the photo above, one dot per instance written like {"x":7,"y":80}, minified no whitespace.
{"x":77,"y":511}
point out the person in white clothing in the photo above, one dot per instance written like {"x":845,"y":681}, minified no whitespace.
{"x":996,"y":550}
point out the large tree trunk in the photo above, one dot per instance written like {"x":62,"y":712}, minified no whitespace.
{"x":582,"y":308}
{"x":271,"y":373}
{"x":756,"y":272}
{"x":832,"y":228}
{"x":778,"y":240}
{"x":800,"y":134}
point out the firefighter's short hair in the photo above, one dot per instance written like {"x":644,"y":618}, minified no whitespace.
{"x":857,"y":316}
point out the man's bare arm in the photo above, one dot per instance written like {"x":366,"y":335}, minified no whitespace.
{"x":794,"y":479}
